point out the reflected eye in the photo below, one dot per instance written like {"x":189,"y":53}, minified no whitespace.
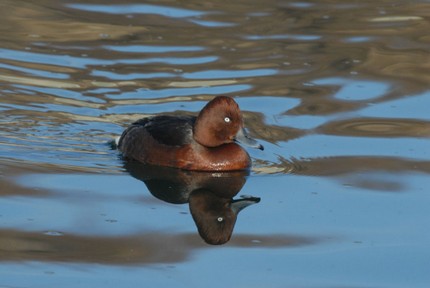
{"x":227,"y":120}
{"x":220,"y":219}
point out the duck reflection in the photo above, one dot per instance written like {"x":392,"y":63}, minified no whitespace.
{"x":209,"y":194}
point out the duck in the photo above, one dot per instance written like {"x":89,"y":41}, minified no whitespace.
{"x":210,"y":141}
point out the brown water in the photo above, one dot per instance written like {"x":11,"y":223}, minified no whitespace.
{"x":336,"y":91}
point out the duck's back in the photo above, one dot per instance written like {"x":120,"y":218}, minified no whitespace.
{"x":159,"y":131}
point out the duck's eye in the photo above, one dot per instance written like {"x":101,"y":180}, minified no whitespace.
{"x":220,"y":219}
{"x":227,"y":120}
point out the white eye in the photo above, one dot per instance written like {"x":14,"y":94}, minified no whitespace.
{"x":220,"y":219}
{"x":227,"y":120}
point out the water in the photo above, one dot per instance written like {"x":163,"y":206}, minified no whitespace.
{"x":336,"y":91}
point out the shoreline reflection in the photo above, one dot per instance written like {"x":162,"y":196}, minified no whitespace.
{"x":209,"y":195}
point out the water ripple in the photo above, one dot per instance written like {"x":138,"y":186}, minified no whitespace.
{"x":284,"y":37}
{"x":51,"y":59}
{"x":224,"y":74}
{"x":152,"y":49}
{"x":212,"y":23}
{"x":145,"y":93}
{"x":36,"y":72}
{"x":84,"y":61}
{"x":355,"y":90}
{"x":378,"y":127}
{"x":336,"y":91}
{"x":130,"y":76}
{"x":139,"y":9}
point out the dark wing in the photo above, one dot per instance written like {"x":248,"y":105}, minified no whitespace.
{"x":168,"y":130}
{"x":171,"y":130}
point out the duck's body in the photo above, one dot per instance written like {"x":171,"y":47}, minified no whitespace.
{"x":206,"y":142}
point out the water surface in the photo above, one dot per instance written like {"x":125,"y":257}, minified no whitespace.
{"x":336,"y":91}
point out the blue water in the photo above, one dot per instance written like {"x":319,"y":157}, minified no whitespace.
{"x":341,"y":107}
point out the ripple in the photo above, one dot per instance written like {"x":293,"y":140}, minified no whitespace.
{"x":152,"y":49}
{"x":400,"y":18}
{"x":139,"y":9}
{"x":76,"y":96}
{"x":312,"y":146}
{"x":36,"y":72}
{"x":177,"y":92}
{"x":358,"y":39}
{"x":355,"y":165}
{"x":338,"y":104}
{"x":378,"y":127}
{"x":212,"y":23}
{"x":221,"y":74}
{"x":52,"y":59}
{"x":169,"y":60}
{"x":284,"y":37}
{"x":130,"y":76}
{"x":84,"y":62}
{"x":355,"y":90}
{"x":53,"y":233}
{"x":411,"y":107}
{"x":72,"y":144}
{"x":272,"y":108}
{"x":39,"y":82}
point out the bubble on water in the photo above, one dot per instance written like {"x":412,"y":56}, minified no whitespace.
{"x":53,"y":233}
{"x":111,"y":220}
{"x":104,"y":35}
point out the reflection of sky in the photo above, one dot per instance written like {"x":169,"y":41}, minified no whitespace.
{"x":131,"y":76}
{"x":358,"y":39}
{"x":69,"y":94}
{"x":284,"y":37}
{"x":379,"y":236}
{"x":165,"y":11}
{"x":152,"y":48}
{"x":170,"y":92}
{"x":355,"y":90}
{"x":314,"y":201}
{"x":83,"y":62}
{"x":325,"y":146}
{"x":269,"y":106}
{"x":412,"y":107}
{"x":225,"y":74}
{"x":127,"y":205}
{"x":60,"y":60}
{"x":274,"y":109}
{"x":47,"y":74}
{"x":212,"y":23}
{"x":139,"y":9}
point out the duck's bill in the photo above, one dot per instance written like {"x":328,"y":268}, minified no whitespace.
{"x":240,"y":204}
{"x":243,"y":138}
